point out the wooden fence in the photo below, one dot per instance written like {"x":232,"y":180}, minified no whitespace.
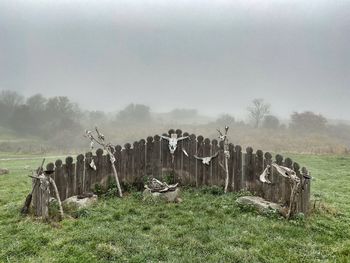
{"x":151,"y":157}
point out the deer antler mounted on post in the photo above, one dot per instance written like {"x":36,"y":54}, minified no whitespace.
{"x":107,"y":147}
{"x":223,"y":138}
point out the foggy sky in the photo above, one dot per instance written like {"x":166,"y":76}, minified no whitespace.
{"x":212,"y":55}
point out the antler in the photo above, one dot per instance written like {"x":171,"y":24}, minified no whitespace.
{"x":165,"y":137}
{"x":264,"y":176}
{"x":100,"y":136}
{"x":198,"y":158}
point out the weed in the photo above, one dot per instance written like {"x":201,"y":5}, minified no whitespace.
{"x":213,"y":190}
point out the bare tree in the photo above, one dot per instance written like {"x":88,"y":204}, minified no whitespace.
{"x":257,"y":111}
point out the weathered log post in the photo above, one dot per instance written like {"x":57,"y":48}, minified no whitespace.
{"x":41,"y":194}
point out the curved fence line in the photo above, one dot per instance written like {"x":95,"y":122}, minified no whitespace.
{"x":151,"y":158}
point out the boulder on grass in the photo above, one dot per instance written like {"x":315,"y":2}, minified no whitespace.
{"x":169,"y":196}
{"x":4,"y":171}
{"x":75,"y":202}
{"x":261,"y":205}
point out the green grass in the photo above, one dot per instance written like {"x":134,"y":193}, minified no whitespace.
{"x":204,"y":228}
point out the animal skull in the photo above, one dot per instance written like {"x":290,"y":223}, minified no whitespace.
{"x":173,"y":140}
{"x":283,"y":171}
{"x":206,"y":160}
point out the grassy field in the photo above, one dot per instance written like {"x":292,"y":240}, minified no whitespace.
{"x":206,"y":227}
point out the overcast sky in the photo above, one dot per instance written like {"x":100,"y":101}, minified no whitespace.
{"x":212,"y":55}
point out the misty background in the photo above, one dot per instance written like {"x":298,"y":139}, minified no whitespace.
{"x":204,"y":59}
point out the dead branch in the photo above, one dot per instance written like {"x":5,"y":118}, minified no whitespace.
{"x":223,"y":137}
{"x":110,"y":150}
{"x":160,"y":187}
{"x":52,"y":182}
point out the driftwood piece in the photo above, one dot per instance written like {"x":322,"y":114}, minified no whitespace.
{"x":261,"y":205}
{"x":42,"y":196}
{"x":160,"y":187}
{"x":294,"y":181}
{"x":28,"y":201}
{"x":170,"y":196}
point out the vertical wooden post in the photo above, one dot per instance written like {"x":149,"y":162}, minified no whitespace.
{"x":267,"y":188}
{"x":238,"y":168}
{"x":207,"y":175}
{"x":166,"y":159}
{"x":51,"y":167}
{"x":259,"y":169}
{"x":79,"y":175}
{"x":249,"y":169}
{"x":186,"y":161}
{"x":155,"y":158}
{"x":288,"y":163}
{"x":36,"y":197}
{"x":231,"y":148}
{"x":149,"y":152}
{"x":70,"y":171}
{"x":279,"y":183}
{"x":45,"y":197}
{"x":136,"y":169}
{"x":89,"y":173}
{"x":215,"y":167}
{"x":200,"y":168}
{"x":61,"y":179}
{"x":178,"y":158}
{"x":299,"y":197}
{"x":142,"y":169}
{"x":306,"y":192}
{"x":128,"y":162}
{"x":99,"y":166}
{"x":118,"y":164}
{"x":222,"y":168}
{"x":192,"y":161}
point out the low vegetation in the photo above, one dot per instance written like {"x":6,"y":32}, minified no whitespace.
{"x":206,"y":226}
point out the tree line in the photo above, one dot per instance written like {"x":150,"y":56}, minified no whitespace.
{"x":58,"y":117}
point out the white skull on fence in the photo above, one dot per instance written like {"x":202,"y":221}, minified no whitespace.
{"x":173,"y":140}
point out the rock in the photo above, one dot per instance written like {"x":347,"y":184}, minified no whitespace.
{"x":4,"y":171}
{"x":260,"y":204}
{"x":170,"y":196}
{"x":74,"y":202}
